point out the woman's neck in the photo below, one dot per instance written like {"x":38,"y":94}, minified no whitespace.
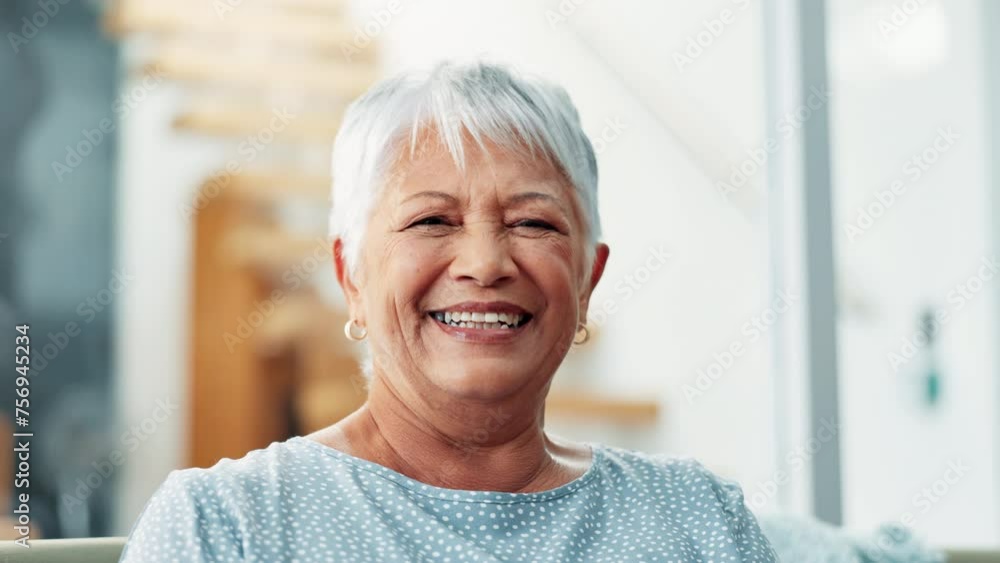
{"x":487,"y":447}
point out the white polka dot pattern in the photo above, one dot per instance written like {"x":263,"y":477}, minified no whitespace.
{"x":299,"y":500}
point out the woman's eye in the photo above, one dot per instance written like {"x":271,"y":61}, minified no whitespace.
{"x":431,"y":221}
{"x":535,"y":224}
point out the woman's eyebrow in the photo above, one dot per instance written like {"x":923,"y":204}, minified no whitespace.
{"x":532,"y":196}
{"x":433,"y":194}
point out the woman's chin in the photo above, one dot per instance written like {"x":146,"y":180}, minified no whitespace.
{"x":481,"y":378}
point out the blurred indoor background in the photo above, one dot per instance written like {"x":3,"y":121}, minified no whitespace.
{"x":803,"y":284}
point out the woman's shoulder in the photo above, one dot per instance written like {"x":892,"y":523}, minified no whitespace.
{"x":255,"y":469}
{"x":224,"y":490}
{"x":194,"y":505}
{"x":685,"y":487}
{"x":674,"y":465}
{"x":684,"y":475}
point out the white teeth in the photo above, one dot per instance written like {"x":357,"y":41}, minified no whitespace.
{"x":487,"y":320}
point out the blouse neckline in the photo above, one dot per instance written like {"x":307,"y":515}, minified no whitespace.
{"x":459,"y":495}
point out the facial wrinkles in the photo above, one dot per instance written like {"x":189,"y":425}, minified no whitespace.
{"x":377,"y":284}
{"x":479,"y":211}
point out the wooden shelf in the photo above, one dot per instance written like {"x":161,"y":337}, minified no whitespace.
{"x":294,"y":318}
{"x":278,"y":186}
{"x":599,"y":407}
{"x":271,"y":251}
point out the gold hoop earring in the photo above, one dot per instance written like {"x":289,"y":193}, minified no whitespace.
{"x":577,"y":339}
{"x":349,"y":331}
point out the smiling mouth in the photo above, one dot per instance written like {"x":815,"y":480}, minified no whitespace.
{"x":481,"y":320}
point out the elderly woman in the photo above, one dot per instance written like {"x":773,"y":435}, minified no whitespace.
{"x":466,"y":232}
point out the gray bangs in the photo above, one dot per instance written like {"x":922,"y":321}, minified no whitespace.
{"x":479,"y":103}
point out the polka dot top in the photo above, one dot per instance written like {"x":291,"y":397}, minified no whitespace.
{"x":300,"y":500}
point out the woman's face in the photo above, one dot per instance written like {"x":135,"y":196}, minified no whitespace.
{"x":473,"y":284}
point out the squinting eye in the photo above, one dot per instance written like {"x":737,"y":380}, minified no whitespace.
{"x":535,"y":224}
{"x":429,"y":221}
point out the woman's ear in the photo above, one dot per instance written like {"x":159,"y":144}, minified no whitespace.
{"x":351,"y":291}
{"x":601,"y":253}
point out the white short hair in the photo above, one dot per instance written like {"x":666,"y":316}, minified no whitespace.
{"x":478,"y":101}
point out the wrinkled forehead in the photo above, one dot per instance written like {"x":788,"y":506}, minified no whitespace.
{"x":486,"y":170}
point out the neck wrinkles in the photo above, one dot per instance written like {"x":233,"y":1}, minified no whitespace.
{"x":498,"y":447}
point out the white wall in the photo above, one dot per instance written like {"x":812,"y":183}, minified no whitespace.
{"x":893,"y":93}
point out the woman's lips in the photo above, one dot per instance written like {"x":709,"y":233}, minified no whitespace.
{"x":472,"y":331}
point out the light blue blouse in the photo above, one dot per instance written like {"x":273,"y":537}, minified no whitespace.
{"x":299,"y":500}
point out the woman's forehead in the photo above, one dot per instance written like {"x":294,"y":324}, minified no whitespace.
{"x":486,"y":173}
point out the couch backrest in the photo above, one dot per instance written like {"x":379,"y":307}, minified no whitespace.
{"x":81,"y":550}
{"x":108,"y":550}
{"x":972,"y":556}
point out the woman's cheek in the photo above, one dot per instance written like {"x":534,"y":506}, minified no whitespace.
{"x":416,"y":254}
{"x":550,"y":255}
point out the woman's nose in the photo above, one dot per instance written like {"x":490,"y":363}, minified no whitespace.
{"x":482,"y":255}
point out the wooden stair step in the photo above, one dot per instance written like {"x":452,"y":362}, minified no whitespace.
{"x":202,"y":66}
{"x":310,"y":25}
{"x":266,"y":125}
